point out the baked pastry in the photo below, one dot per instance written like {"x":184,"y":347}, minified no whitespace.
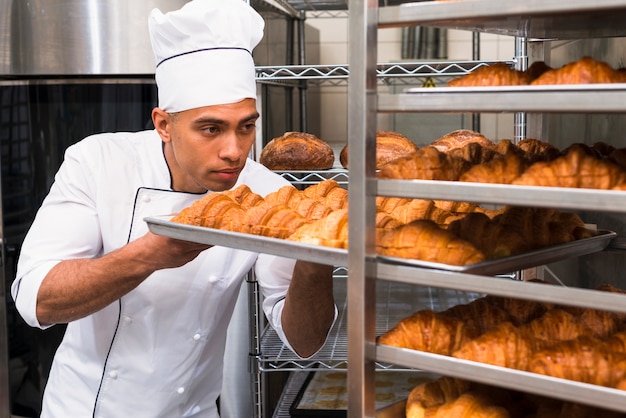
{"x":297,"y":151}
{"x":498,"y":74}
{"x":584,"y":71}
{"x":428,"y":331}
{"x":427,"y":163}
{"x":459,"y":138}
{"x":584,"y":359}
{"x":503,"y":169}
{"x":425,"y":240}
{"x":329,"y":192}
{"x":577,"y":168}
{"x":389,"y":146}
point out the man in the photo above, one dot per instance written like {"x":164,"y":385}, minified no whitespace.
{"x":146,"y":314}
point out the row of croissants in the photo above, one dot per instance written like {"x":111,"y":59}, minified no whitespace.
{"x":454,"y":233}
{"x":581,"y":344}
{"x":468,"y":156}
{"x":447,"y":397}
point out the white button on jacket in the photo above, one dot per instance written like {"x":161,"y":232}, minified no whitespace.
{"x":157,"y":352}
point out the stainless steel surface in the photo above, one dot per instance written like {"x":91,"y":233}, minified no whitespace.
{"x":607,"y":98}
{"x":281,"y":247}
{"x":530,"y":19}
{"x":504,"y":287}
{"x":513,"y":263}
{"x":550,"y":197}
{"x":67,"y":37}
{"x":363,"y":29}
{"x":604,"y":397}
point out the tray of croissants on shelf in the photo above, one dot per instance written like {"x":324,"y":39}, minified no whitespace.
{"x":450,"y":235}
{"x":585,"y":71}
{"x":579,"y":344}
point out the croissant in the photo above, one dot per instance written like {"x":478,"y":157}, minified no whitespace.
{"x":505,"y":346}
{"x":424,"y":240}
{"x":215,"y":210}
{"x":504,"y":168}
{"x":574,"y":169}
{"x":245,"y":197}
{"x":388,"y":204}
{"x":511,"y":346}
{"x":498,"y":74}
{"x":488,"y":235}
{"x":456,"y":207}
{"x":270,"y":220}
{"x":433,"y":394}
{"x":520,"y":311}
{"x":584,"y":71}
{"x":584,"y":359}
{"x":328,"y":192}
{"x":330,"y":231}
{"x":468,"y":405}
{"x":474,"y":153}
{"x":429,"y":331}
{"x":536,"y":150}
{"x":481,"y":315}
{"x":427,"y":163}
{"x":298,"y":201}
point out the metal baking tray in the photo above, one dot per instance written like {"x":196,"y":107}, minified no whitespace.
{"x":162,"y":225}
{"x":517,"y":262}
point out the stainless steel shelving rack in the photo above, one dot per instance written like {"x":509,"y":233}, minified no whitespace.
{"x":537,"y":19}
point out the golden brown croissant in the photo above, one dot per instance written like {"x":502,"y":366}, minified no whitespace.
{"x":293,"y":198}
{"x":584,"y":359}
{"x":474,"y":153}
{"x":215,"y":210}
{"x":584,"y":71}
{"x":245,"y":197}
{"x":521,"y":311}
{"x":426,"y":164}
{"x":498,"y":74}
{"x":329,"y":192}
{"x":536,"y":150}
{"x":505,"y":346}
{"x":479,"y":315}
{"x":270,"y":220}
{"x":468,"y":405}
{"x":424,"y":240}
{"x":389,"y":204}
{"x":429,"y":331}
{"x":456,"y":207}
{"x":574,"y":169}
{"x":330,"y":231}
{"x":503,"y":169}
{"x":433,"y":394}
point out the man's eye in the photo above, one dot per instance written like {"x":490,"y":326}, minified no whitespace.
{"x":212,"y":129}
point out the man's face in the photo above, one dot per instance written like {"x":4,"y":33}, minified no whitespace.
{"x":206,"y":148}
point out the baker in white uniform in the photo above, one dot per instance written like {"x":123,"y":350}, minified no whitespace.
{"x":147,"y":315}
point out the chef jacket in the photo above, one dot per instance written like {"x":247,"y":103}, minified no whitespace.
{"x":158,"y":351}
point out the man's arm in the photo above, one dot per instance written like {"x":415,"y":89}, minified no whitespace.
{"x":309,"y":309}
{"x":76,"y":288}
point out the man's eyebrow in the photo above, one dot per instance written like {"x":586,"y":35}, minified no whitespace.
{"x":217,"y":121}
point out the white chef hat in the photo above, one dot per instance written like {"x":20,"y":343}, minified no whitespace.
{"x":203,"y":53}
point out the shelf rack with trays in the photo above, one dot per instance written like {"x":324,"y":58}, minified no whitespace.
{"x":533,"y":19}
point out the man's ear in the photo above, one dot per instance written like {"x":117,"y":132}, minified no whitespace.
{"x":162,"y":121}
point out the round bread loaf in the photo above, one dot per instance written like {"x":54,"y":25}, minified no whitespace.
{"x":389,"y":146}
{"x":460,"y":138}
{"x":297,"y":151}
